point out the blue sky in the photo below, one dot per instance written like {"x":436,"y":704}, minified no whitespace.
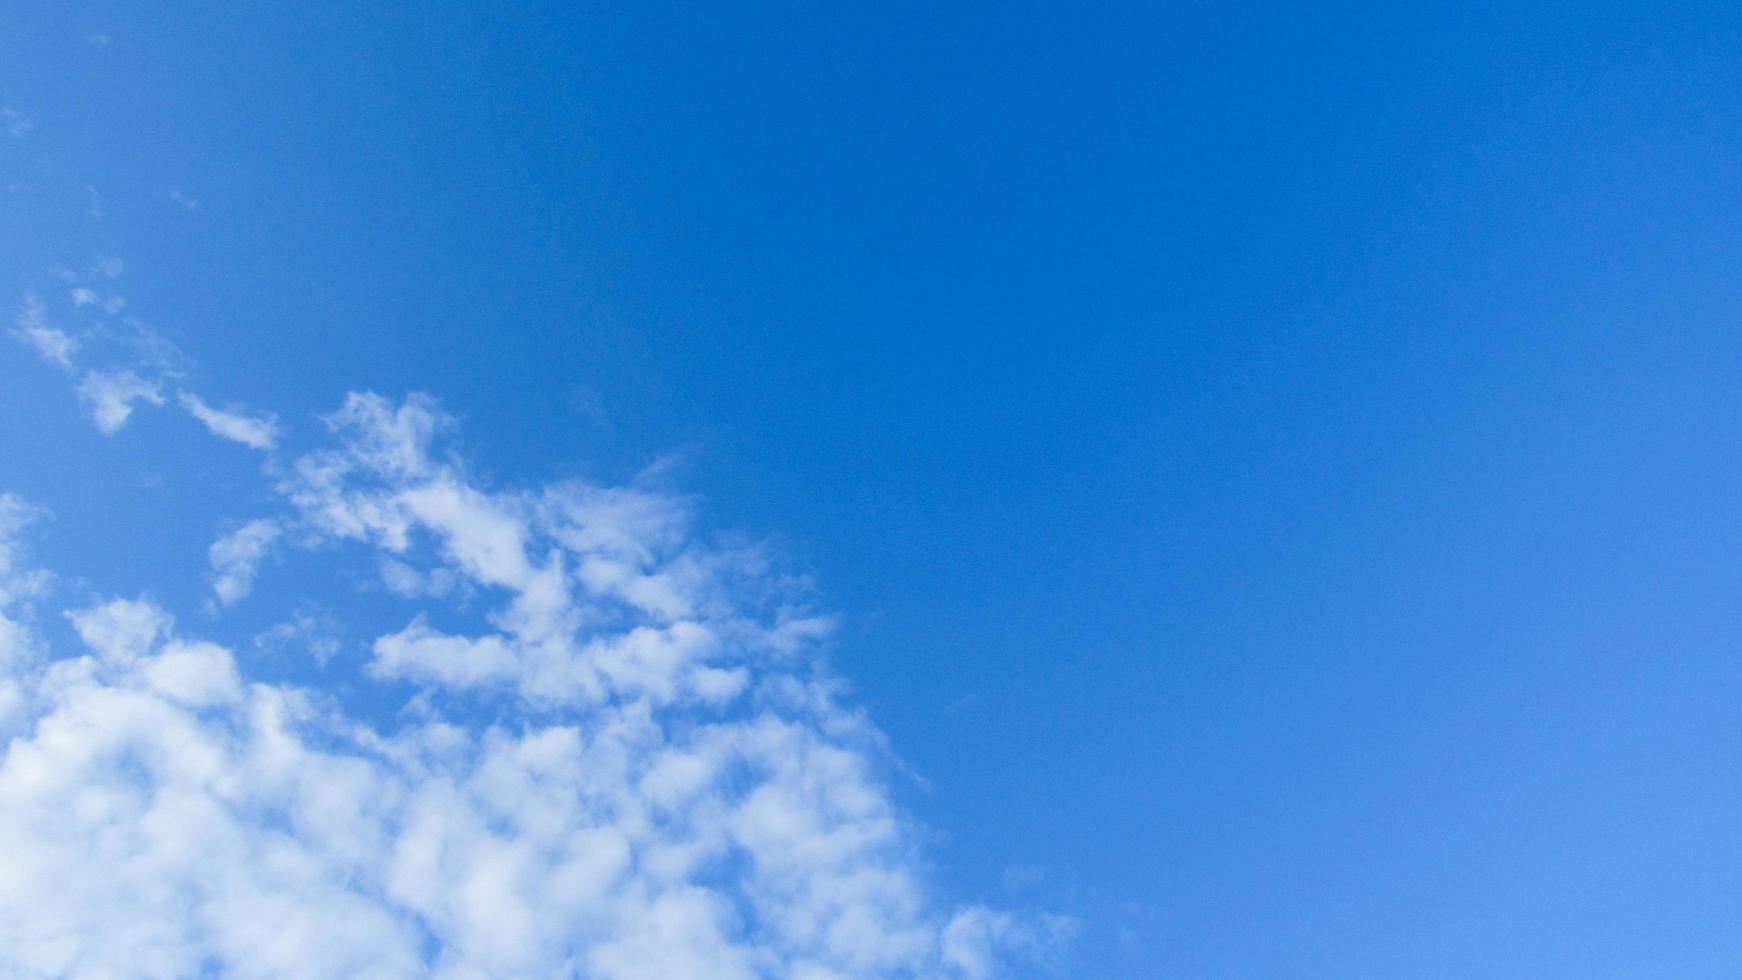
{"x":1271,"y":473}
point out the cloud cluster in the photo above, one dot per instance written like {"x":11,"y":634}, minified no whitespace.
{"x":631,"y":765}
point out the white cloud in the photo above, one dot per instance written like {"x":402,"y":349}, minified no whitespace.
{"x":51,"y":344}
{"x":236,"y":556}
{"x":110,"y":396}
{"x":588,"y":782}
{"x":255,"y":432}
{"x":420,"y":653}
{"x":194,"y":674}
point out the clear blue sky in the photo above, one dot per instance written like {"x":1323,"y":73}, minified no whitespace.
{"x":1277,"y":471}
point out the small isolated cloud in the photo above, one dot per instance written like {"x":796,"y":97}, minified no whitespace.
{"x":255,"y":432}
{"x":111,"y":266}
{"x":51,"y":344}
{"x":183,"y":199}
{"x":236,"y":556}
{"x":17,"y":124}
{"x":98,"y":40}
{"x":93,"y":204}
{"x":110,"y":396}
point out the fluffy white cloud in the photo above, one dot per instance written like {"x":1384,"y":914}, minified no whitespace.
{"x":110,"y":396}
{"x":253,"y":431}
{"x":633,"y":766}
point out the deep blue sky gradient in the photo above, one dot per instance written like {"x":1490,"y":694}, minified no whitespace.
{"x":1279,"y":469}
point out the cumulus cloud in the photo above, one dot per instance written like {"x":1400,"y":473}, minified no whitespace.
{"x":253,"y":431}
{"x":236,"y":556}
{"x":50,"y":343}
{"x":110,"y":396}
{"x":642,"y":771}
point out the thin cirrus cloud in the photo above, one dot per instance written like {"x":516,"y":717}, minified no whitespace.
{"x":632,"y":764}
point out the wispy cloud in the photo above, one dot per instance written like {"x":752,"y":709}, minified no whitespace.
{"x":138,"y":363}
{"x":50,"y":343}
{"x":253,"y":431}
